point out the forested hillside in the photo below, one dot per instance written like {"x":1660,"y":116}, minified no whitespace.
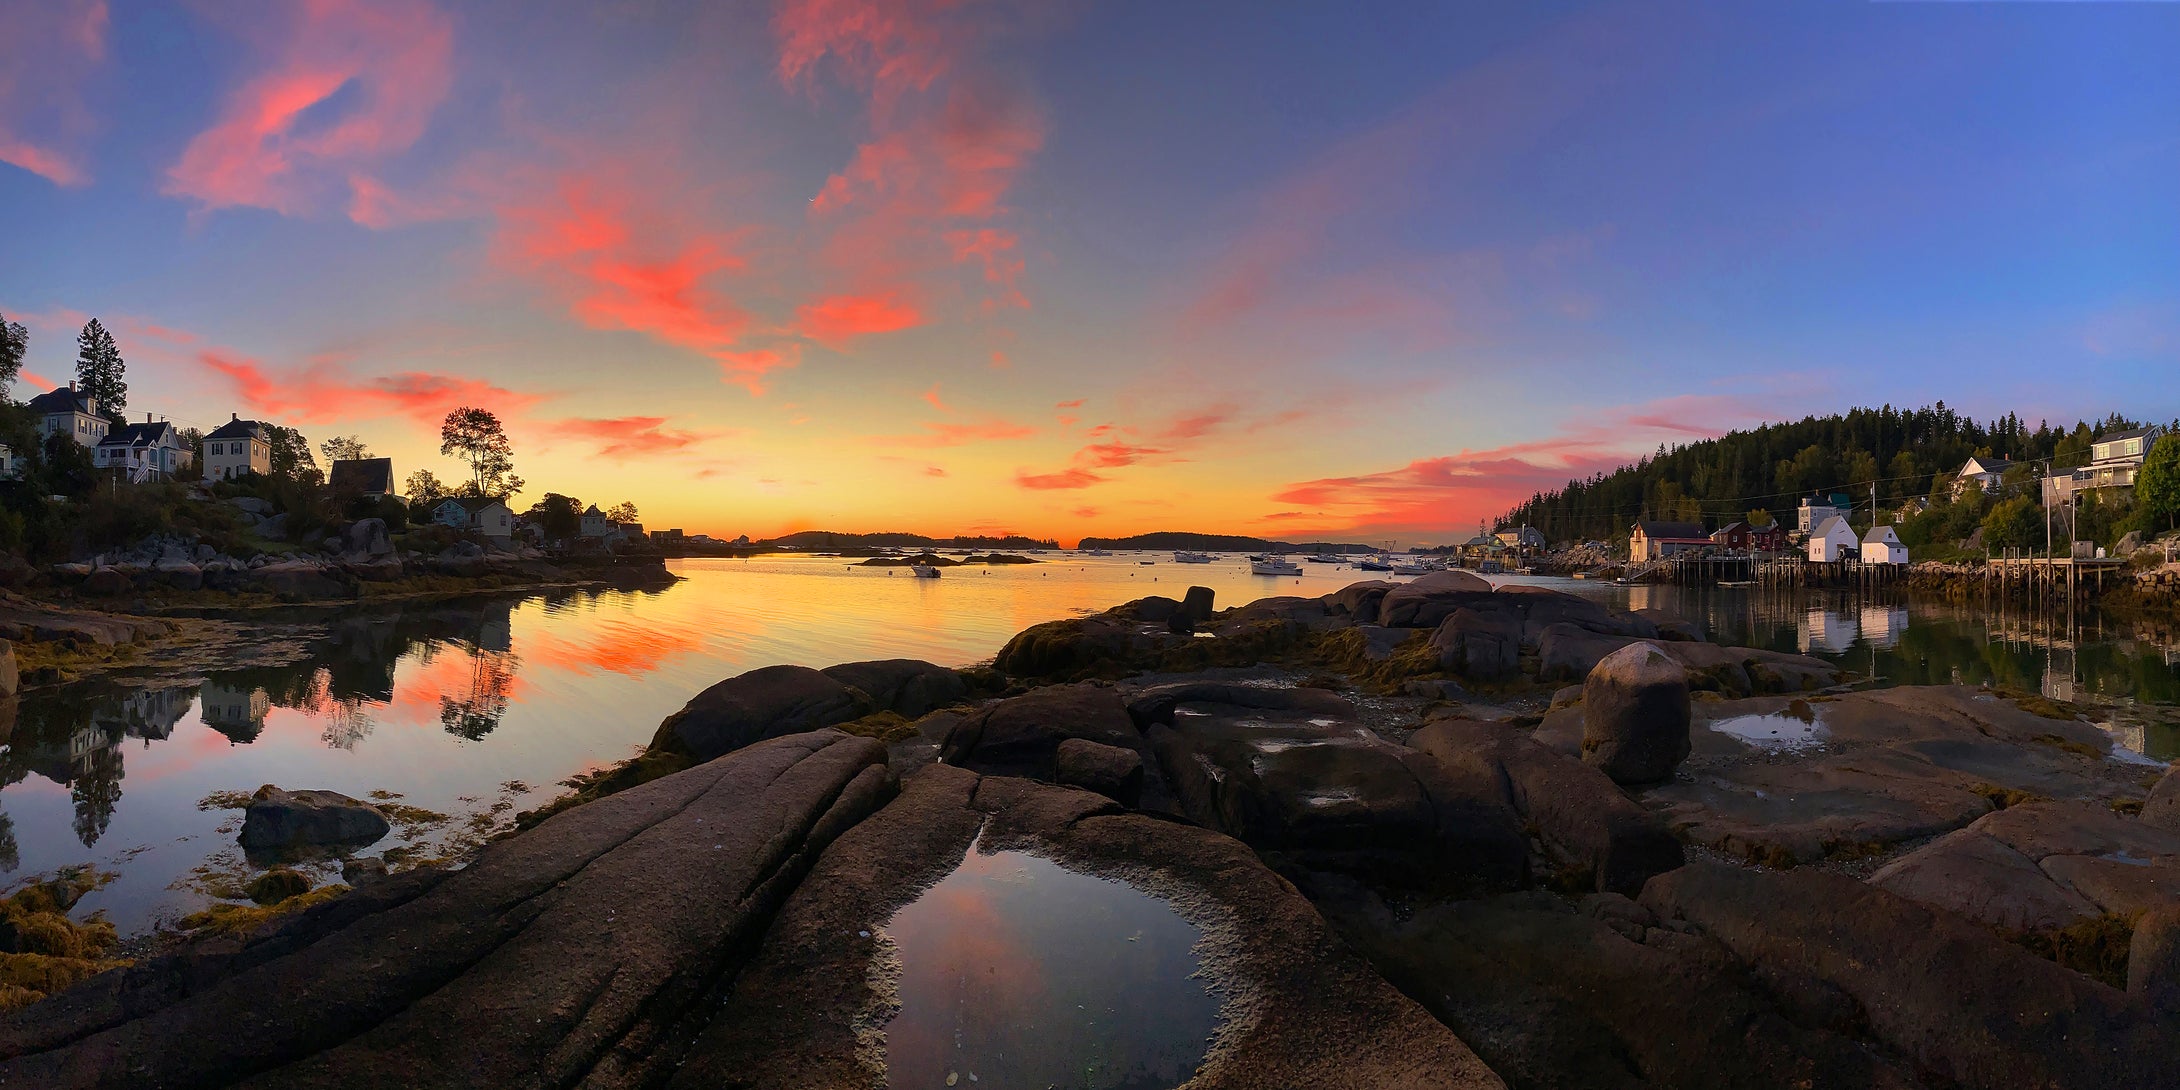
{"x":1903,"y":453}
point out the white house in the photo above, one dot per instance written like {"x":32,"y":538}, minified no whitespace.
{"x":152,"y":450}
{"x":69,"y":412}
{"x":487,"y":516}
{"x":11,"y":467}
{"x":233,"y":712}
{"x":1984,"y":473}
{"x":237,"y":448}
{"x":595,"y":523}
{"x":1815,"y":509}
{"x":1882,"y":546}
{"x":1832,"y":540}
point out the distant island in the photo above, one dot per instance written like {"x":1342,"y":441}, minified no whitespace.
{"x":1218,"y":543}
{"x":830,"y":541}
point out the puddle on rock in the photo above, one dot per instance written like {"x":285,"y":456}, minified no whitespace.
{"x":1015,"y":972}
{"x":1797,"y":727}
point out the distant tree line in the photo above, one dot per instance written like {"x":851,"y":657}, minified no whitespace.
{"x":1745,"y":475}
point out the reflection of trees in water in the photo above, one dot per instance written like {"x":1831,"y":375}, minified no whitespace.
{"x":95,"y":793}
{"x":10,"y":856}
{"x":491,"y":684}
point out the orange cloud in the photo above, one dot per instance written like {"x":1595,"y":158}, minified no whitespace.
{"x":931,"y":397}
{"x":842,"y":318}
{"x":322,"y":393}
{"x":379,"y":67}
{"x":632,"y":436}
{"x":580,"y":239}
{"x":46,"y":49}
{"x":937,"y":434}
{"x":1002,"y":266}
{"x":1064,"y":479}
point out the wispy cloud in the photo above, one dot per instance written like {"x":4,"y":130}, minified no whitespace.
{"x":633,"y":436}
{"x":349,"y":83}
{"x":47,"y":47}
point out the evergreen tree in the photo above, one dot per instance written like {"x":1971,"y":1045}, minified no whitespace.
{"x":14,"y":342}
{"x":100,"y":371}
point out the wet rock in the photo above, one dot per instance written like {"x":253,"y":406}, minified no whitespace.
{"x":2042,"y":866}
{"x":107,"y":582}
{"x":1318,"y":1015}
{"x":2153,"y":960}
{"x":771,"y":702}
{"x":1962,"y":1003}
{"x":1426,"y":601}
{"x":1111,"y":771}
{"x":277,"y":885}
{"x":1070,"y":648}
{"x":1021,"y":736}
{"x":1331,"y":793}
{"x":578,"y":952}
{"x":1672,"y":627}
{"x":278,"y":819}
{"x":1554,"y":997}
{"x":1298,"y":614}
{"x":1635,"y":715}
{"x":1569,"y":652}
{"x":1593,"y":835}
{"x":908,"y":687}
{"x":361,"y":869}
{"x":299,"y":581}
{"x":1485,"y":646}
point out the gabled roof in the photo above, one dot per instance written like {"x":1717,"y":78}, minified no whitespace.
{"x":1685,"y":530}
{"x":238,"y":428}
{"x":362,"y":474}
{"x":1824,"y":529}
{"x":1881,"y":535}
{"x":592,"y":512}
{"x":63,"y":400}
{"x":1729,"y":528}
{"x":2136,"y":433}
{"x":471,"y":504}
{"x":141,"y":435}
{"x":1985,"y":465}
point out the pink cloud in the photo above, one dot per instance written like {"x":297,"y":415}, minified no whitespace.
{"x":46,"y":50}
{"x":936,"y":434}
{"x":842,"y":318}
{"x":1064,"y":479}
{"x":323,"y":392}
{"x":931,"y":398}
{"x":632,"y":436}
{"x":380,"y":66}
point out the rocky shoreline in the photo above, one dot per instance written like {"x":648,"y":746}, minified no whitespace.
{"x":1433,"y":835}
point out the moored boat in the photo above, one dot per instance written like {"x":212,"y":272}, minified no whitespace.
{"x":1191,"y":558}
{"x":923,"y":571}
{"x":1273,"y":565}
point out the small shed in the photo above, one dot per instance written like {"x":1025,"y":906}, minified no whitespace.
{"x":1882,"y":546}
{"x":1832,"y":540}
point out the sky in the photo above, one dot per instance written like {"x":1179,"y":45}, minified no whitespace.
{"x":1061,"y":267}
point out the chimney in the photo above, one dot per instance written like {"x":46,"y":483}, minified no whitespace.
{"x":233,"y":417}
{"x":71,"y":386}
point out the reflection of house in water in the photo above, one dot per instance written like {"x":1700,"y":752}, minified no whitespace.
{"x":1824,"y":630}
{"x":150,"y":714}
{"x":237,"y":712}
{"x":1883,"y":624}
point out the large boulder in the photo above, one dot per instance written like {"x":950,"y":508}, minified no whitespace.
{"x":1479,"y":645}
{"x":1965,"y":1005}
{"x":1427,"y":601}
{"x":1635,"y":715}
{"x":1359,"y":601}
{"x":767,"y":703}
{"x":1593,"y":835}
{"x":278,"y":820}
{"x":1567,"y":651}
{"x":1021,"y":736}
{"x":1287,"y":772}
{"x":1196,"y":607}
{"x":2153,"y":960}
{"x":106,"y":582}
{"x":908,"y":687}
{"x":368,"y":538}
{"x":298,"y":581}
{"x":1115,"y":772}
{"x":178,"y":574}
{"x":1543,"y":607}
{"x":1070,"y":648}
{"x":2162,"y":808}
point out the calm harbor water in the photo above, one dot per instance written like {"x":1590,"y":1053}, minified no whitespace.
{"x":476,"y":710}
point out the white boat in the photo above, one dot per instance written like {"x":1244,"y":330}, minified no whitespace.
{"x":1191,"y":558}
{"x":1272,"y":565}
{"x":923,"y":571}
{"x":1092,"y":552}
{"x":1413,"y":569}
